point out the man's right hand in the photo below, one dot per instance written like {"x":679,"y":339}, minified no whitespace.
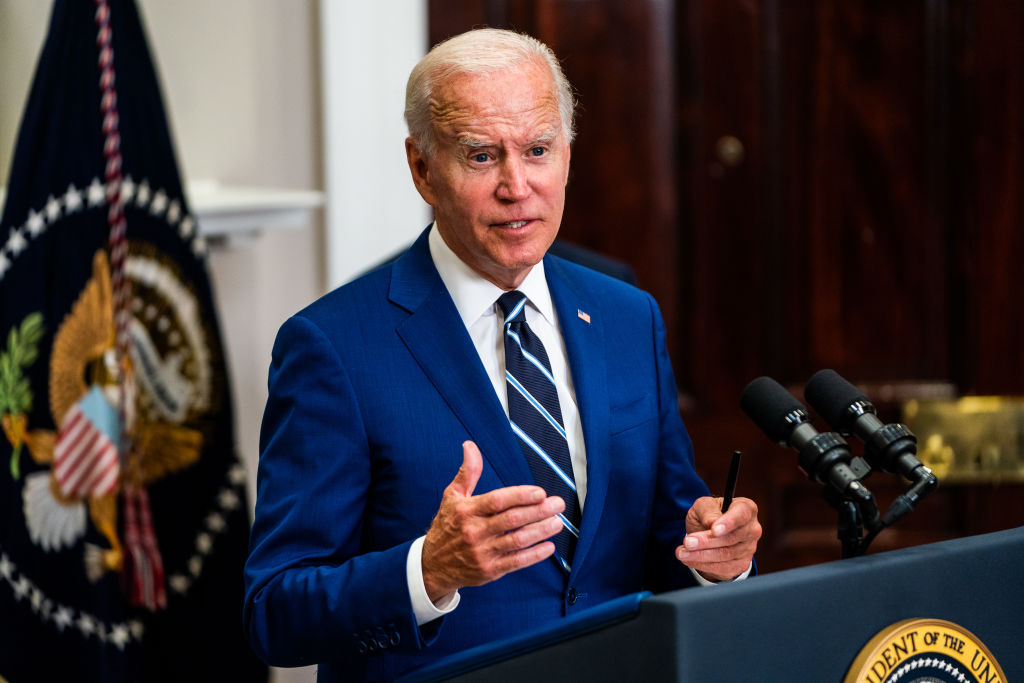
{"x":476,"y":539}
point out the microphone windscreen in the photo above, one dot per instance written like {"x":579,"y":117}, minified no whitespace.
{"x":767,"y":403}
{"x":830,"y":395}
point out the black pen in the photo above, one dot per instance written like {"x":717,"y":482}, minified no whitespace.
{"x":730,"y":483}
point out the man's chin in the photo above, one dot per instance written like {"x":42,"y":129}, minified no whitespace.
{"x":522,"y":253}
{"x":522,"y":260}
{"x":509,"y":274}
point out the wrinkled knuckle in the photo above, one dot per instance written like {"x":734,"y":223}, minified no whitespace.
{"x":478,"y":556}
{"x":470,"y":518}
{"x":520,"y":560}
{"x":518,"y":539}
{"x":523,"y":558}
{"x":496,"y":500}
{"x":516,"y":519}
{"x":471,"y":534}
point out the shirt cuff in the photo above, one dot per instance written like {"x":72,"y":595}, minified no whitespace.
{"x":706,"y":582}
{"x":422,"y":607}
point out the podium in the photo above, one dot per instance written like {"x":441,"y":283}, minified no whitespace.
{"x":806,"y":624}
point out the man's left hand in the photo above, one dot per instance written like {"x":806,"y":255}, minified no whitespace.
{"x":720,"y":546}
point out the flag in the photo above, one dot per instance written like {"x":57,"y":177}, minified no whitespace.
{"x":123,"y":513}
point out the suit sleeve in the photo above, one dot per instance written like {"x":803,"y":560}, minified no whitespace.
{"x":678,"y":484}
{"x":311,"y":594}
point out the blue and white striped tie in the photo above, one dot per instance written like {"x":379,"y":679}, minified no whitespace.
{"x":536,"y":419}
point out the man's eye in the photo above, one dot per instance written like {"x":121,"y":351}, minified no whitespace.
{"x":538,"y":151}
{"x":480,"y":158}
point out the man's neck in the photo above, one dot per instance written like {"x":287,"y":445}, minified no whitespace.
{"x":471,"y":292}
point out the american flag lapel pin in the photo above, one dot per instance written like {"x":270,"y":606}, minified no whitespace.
{"x":585,"y":317}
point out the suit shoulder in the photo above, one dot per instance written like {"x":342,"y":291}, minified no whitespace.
{"x":351,"y":298}
{"x":594,"y":260}
{"x":598,"y":284}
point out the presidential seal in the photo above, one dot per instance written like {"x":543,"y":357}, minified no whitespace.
{"x":925,"y":651}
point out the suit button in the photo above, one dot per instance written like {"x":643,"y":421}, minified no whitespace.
{"x":572,"y":596}
{"x":382,"y":639}
{"x":394,"y":637}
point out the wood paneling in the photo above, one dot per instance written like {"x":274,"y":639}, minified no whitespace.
{"x":877,"y":252}
{"x":733,"y":286}
{"x":990,"y":230}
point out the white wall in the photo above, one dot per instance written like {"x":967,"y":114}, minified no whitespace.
{"x":244,"y":89}
{"x":22,"y":27}
{"x":241,"y":88}
{"x":368,"y":50}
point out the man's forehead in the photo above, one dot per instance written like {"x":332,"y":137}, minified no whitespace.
{"x":523,"y":96}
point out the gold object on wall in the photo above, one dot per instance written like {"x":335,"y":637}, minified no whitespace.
{"x":970,"y":440}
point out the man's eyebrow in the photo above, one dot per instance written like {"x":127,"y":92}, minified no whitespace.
{"x":544,"y":138}
{"x":473,"y":143}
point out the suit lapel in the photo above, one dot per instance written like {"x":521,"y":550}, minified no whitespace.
{"x":437,"y":339}
{"x":584,"y":344}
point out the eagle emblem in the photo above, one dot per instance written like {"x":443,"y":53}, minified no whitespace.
{"x":110,"y":436}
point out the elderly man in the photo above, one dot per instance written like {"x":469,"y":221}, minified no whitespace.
{"x":477,"y":439}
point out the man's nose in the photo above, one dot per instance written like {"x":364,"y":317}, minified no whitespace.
{"x":513,"y":182}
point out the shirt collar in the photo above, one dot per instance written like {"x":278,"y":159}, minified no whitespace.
{"x":474,"y":296}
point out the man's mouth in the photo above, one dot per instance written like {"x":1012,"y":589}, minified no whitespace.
{"x":513,"y":225}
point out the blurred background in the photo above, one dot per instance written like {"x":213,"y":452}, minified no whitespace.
{"x":801,"y":185}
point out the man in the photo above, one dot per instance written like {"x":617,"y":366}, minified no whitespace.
{"x":397,"y":408}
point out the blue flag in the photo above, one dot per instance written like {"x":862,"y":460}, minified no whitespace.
{"x":123,"y":513}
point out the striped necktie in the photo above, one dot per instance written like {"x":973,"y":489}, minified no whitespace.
{"x":536,"y":419}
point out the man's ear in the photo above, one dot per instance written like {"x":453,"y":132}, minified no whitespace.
{"x":420,"y":171}
{"x":568,"y":164}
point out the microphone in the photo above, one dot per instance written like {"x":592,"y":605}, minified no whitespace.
{"x":824,"y":457}
{"x":890,"y":447}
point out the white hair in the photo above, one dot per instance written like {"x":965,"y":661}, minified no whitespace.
{"x":480,"y":51}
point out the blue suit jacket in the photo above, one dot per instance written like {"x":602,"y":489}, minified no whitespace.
{"x":373,"y":389}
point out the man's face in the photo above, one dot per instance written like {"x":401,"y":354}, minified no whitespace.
{"x":497,"y":181}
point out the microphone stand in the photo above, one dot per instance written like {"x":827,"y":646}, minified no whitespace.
{"x":853,"y":516}
{"x":849,"y":528}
